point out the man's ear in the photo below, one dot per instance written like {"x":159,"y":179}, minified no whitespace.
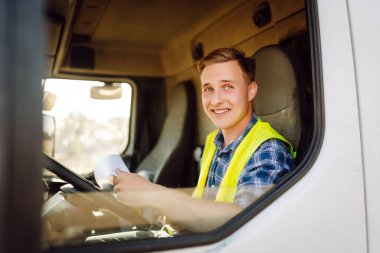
{"x":252,"y":90}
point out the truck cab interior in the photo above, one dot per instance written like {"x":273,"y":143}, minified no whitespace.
{"x":144,"y":55}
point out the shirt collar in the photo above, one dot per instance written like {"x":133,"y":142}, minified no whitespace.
{"x":219,"y":139}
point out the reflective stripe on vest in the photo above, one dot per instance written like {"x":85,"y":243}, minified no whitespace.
{"x":259,"y":133}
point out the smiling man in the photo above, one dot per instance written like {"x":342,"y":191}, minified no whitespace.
{"x":245,"y":151}
{"x":243,"y":154}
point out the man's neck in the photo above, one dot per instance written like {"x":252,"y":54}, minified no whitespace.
{"x":231,"y":134}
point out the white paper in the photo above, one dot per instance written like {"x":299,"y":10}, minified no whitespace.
{"x":106,"y":168}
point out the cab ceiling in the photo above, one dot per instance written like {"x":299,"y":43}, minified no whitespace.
{"x":150,"y":24}
{"x":135,"y":30}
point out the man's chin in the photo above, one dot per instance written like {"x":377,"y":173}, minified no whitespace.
{"x":220,"y":125}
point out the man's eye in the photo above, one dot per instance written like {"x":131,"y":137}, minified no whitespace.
{"x":208,"y":89}
{"x":228,"y":87}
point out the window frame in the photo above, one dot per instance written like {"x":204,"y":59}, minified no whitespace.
{"x":270,"y":196}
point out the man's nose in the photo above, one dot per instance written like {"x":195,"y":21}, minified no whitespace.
{"x":217,"y":98}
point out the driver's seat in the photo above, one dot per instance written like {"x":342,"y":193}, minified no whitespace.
{"x":277,"y":97}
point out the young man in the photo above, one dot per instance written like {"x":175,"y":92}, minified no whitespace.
{"x":244,"y":153}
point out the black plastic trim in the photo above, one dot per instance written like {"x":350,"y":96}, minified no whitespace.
{"x":21,"y":68}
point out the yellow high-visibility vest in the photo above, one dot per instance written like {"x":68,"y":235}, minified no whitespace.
{"x":259,"y":133}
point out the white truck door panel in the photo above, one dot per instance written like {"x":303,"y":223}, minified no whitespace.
{"x":365,"y":27}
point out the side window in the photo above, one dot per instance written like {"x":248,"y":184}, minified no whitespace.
{"x":82,"y":128}
{"x":91,"y":120}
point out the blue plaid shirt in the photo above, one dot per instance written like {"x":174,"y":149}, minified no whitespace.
{"x":271,"y":161}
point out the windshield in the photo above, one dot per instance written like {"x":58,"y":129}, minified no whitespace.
{"x":86,"y":128}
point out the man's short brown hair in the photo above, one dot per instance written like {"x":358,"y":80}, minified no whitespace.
{"x":220,"y":55}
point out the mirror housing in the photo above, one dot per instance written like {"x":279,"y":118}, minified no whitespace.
{"x":108,"y":91}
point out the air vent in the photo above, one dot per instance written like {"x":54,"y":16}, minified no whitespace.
{"x":262,"y":15}
{"x":198,"y":51}
{"x":82,"y":57}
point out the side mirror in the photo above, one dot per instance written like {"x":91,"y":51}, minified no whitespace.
{"x":48,"y":101}
{"x":108,"y":91}
{"x":48,"y":131}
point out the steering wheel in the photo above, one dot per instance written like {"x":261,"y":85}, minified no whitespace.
{"x":83,"y":185}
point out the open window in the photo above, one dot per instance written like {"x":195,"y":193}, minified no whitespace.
{"x":157,"y":46}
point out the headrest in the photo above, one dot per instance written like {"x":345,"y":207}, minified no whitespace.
{"x":276,"y":80}
{"x":276,"y":100}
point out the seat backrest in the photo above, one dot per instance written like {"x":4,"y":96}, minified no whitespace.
{"x":277,"y":101}
{"x":169,"y":159}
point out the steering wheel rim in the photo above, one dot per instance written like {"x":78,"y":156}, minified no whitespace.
{"x":84,"y":185}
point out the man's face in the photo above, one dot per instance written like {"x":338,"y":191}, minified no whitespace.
{"x":227,"y":96}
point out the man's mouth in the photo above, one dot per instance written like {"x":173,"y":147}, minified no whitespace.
{"x":220,"y":111}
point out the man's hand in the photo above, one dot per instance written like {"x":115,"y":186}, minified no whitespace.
{"x":133,"y":190}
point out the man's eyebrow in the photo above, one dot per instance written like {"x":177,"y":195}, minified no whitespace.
{"x":222,"y":81}
{"x":205,"y":85}
{"x":227,"y":81}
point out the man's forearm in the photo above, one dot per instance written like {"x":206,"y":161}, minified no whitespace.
{"x":197,"y":215}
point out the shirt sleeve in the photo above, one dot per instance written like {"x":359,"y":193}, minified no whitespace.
{"x":271,"y":161}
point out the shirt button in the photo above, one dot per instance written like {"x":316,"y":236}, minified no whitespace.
{"x":218,"y":159}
